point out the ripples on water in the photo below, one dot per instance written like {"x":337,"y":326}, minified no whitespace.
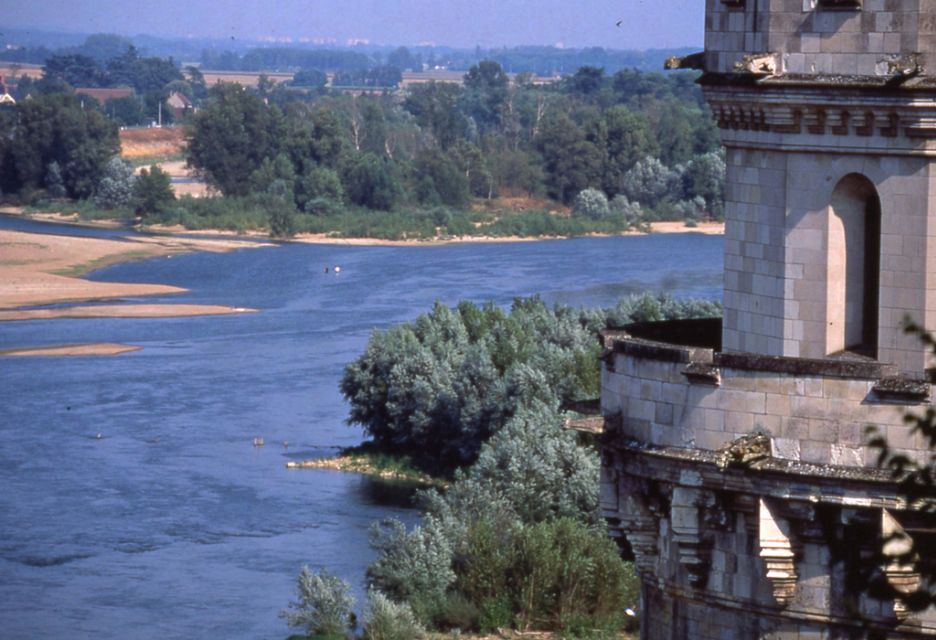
{"x":172,"y":525}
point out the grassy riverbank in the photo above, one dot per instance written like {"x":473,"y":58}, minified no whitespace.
{"x":365,"y":460}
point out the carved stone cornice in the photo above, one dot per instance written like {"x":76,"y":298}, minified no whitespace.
{"x":818,"y":112}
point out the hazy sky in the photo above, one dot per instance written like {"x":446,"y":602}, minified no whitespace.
{"x":462,"y":23}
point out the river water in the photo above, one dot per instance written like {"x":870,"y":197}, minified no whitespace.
{"x":171,"y":524}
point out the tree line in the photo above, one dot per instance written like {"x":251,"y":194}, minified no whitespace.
{"x":643,"y":141}
{"x":436,"y":159}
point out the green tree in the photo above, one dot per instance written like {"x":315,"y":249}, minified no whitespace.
{"x":570,"y":160}
{"x":435,"y":105}
{"x":649,"y":182}
{"x":55,"y":128}
{"x":229,"y":138}
{"x":310,"y":78}
{"x":53,"y":180}
{"x":587,"y":81}
{"x":373,"y":183}
{"x":486,"y":93}
{"x":705,"y":177}
{"x":442,"y":180}
{"x":628,"y":139}
{"x":75,"y":69}
{"x":319,"y":191}
{"x":401,"y":58}
{"x":152,"y":191}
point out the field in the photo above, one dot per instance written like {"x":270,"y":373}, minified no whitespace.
{"x":155,"y":142}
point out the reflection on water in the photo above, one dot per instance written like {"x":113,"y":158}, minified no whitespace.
{"x":172,"y":524}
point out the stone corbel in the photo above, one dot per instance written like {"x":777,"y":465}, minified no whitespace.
{"x":695,"y":547}
{"x":776,"y":544}
{"x":898,"y":553}
{"x":627,"y":506}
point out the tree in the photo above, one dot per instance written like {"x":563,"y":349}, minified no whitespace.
{"x":648,"y":182}
{"x":401,"y":58}
{"x":53,"y":181}
{"x":324,"y":604}
{"x":442,"y":180}
{"x":152,"y":191}
{"x":705,"y":177}
{"x":373,"y":183}
{"x":587,"y":81}
{"x":229,"y":138}
{"x":319,"y":191}
{"x":116,"y":186}
{"x":76,"y":70}
{"x":435,"y":107}
{"x":55,"y":128}
{"x":310,"y":78}
{"x":571,"y":162}
{"x":628,"y":139}
{"x":486,"y":92}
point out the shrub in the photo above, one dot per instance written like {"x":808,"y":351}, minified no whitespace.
{"x":387,"y":620}
{"x":152,"y":191}
{"x":115,"y":189}
{"x":629,"y":211}
{"x":591,"y":203}
{"x":324,"y":604}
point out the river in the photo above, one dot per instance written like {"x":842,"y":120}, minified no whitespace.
{"x":171,"y":524}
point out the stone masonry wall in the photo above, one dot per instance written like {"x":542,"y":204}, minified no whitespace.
{"x":812,"y":419}
{"x":777,"y":209}
{"x":813,"y":39}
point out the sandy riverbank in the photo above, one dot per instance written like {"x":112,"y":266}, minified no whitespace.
{"x":39,"y":269}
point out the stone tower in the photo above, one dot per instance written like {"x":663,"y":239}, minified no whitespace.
{"x":735,"y":465}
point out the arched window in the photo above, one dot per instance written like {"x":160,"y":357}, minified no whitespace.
{"x":854,"y":264}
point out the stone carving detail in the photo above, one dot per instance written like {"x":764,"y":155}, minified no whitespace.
{"x":898,"y":548}
{"x":739,"y":112}
{"x":695,"y":547}
{"x":759,"y":64}
{"x":744,"y":451}
{"x":776,"y":550}
{"x":627,"y":504}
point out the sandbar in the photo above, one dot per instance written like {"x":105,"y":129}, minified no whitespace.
{"x":45,"y":269}
{"x":95,"y":349}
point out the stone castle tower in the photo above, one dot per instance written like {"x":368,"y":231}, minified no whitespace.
{"x":735,"y":464}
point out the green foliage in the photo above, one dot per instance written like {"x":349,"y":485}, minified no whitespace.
{"x":55,"y":187}
{"x":323,"y":605}
{"x":520,"y":538}
{"x":591,"y":203}
{"x":55,"y":128}
{"x":152,"y":191}
{"x":373,"y":182}
{"x":649,"y":181}
{"x":231,"y":136}
{"x":916,"y":481}
{"x":436,"y":389}
{"x":116,"y":186}
{"x":415,"y":566}
{"x":388,"y":620}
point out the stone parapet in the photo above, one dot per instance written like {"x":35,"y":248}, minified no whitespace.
{"x":812,"y":410}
